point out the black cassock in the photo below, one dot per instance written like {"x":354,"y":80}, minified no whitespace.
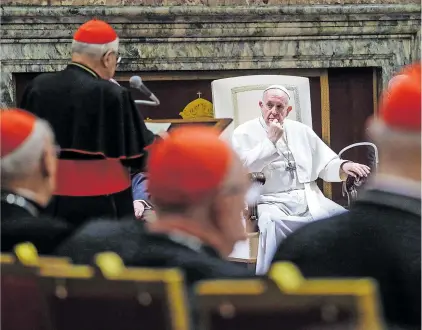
{"x":140,"y":248}
{"x":101,"y":135}
{"x":21,"y":221}
{"x":379,"y":238}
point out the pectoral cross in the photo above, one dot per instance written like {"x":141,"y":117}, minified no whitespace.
{"x":291,"y":167}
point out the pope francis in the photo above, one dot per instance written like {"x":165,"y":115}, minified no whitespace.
{"x":292,"y":157}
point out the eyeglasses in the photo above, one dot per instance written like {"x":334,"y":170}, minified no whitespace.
{"x":118,"y":58}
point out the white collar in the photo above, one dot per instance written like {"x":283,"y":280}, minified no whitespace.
{"x":187,"y":240}
{"x":396,"y":185}
{"x":263,"y":123}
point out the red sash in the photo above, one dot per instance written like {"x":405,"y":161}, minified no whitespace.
{"x":91,"y":177}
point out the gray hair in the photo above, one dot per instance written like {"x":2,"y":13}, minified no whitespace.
{"x":392,"y":138}
{"x":94,"y":50}
{"x":25,"y":159}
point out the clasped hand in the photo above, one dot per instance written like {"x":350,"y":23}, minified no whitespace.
{"x":355,"y":169}
{"x":275,"y":131}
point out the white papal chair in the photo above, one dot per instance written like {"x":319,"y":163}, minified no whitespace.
{"x":238,"y":98}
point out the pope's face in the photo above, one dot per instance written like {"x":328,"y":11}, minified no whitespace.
{"x":275,"y":106}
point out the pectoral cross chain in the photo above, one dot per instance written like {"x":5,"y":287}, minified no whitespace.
{"x":291,"y":168}
{"x":291,"y":165}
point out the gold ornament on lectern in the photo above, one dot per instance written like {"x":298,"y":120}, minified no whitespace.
{"x":199,"y":108}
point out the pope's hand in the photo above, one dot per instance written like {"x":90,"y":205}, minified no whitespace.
{"x":275,"y":131}
{"x":355,"y":169}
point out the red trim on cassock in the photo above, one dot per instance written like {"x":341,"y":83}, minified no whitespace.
{"x":91,"y":177}
{"x":99,"y":153}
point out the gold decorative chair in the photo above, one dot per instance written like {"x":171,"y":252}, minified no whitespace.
{"x":286,"y":300}
{"x":58,"y":295}
{"x":110,"y":296}
{"x":23,"y":305}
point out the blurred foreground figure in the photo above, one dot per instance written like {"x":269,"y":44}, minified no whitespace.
{"x":28,"y":179}
{"x":97,"y":126}
{"x":381,"y":236}
{"x":198,"y":186}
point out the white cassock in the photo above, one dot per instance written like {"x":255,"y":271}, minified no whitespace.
{"x":289,"y":199}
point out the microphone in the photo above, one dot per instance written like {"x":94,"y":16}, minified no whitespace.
{"x":137,"y":83}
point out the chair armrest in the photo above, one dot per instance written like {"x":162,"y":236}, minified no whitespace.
{"x":257,"y":177}
{"x":252,"y":226}
{"x":351,"y":187}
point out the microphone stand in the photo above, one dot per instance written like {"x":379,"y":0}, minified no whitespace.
{"x":154,"y":101}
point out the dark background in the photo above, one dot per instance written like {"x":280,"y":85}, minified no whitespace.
{"x":351,"y":103}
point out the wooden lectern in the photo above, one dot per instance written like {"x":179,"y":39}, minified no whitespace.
{"x":166,"y":125}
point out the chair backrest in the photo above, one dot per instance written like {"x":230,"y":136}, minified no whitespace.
{"x":352,"y":186}
{"x":128,"y":298}
{"x":22,"y":303}
{"x":287,"y":301}
{"x":238,"y":98}
{"x":51,"y":293}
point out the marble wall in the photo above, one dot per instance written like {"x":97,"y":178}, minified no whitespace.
{"x":195,"y":38}
{"x":196,"y":2}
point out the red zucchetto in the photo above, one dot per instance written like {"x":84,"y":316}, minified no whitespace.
{"x":95,"y":32}
{"x":16,"y":127}
{"x":401,"y":102}
{"x":188,"y":165}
